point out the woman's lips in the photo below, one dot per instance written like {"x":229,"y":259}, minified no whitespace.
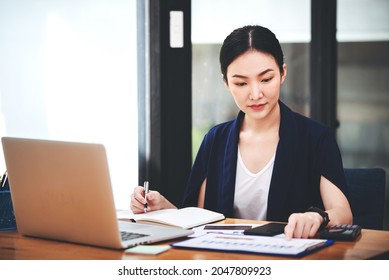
{"x":257,"y":107}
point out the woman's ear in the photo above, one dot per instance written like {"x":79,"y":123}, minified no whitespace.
{"x":283,"y":74}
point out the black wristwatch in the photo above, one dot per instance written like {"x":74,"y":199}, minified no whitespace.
{"x":322,"y":213}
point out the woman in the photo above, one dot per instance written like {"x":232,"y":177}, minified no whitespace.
{"x":270,"y":163}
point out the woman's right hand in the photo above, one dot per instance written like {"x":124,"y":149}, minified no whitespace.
{"x":155,"y":201}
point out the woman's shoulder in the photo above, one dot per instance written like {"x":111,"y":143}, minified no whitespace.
{"x":221,"y":128}
{"x":302,"y":123}
{"x":226,"y":127}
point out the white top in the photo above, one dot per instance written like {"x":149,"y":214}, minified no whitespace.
{"x":251,"y":191}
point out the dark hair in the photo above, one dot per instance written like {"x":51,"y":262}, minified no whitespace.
{"x":251,"y":37}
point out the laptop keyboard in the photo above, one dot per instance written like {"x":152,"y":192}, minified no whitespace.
{"x":125,"y":235}
{"x":7,"y":218}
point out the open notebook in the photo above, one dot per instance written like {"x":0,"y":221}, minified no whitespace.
{"x":62,"y":191}
{"x":185,"y":218}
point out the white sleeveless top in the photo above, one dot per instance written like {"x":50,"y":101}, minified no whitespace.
{"x":251,"y":191}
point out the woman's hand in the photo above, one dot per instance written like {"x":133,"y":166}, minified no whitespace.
{"x":154,"y":200}
{"x":303,"y":225}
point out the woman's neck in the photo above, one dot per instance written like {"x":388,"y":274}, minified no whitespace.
{"x":270,"y":123}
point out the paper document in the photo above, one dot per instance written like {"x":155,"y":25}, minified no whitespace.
{"x":254,"y":244}
{"x":221,"y":228}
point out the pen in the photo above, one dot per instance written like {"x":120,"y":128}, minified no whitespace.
{"x":4,"y":180}
{"x":146,"y":189}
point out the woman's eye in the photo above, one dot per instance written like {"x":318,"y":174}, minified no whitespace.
{"x":267,"y":80}
{"x":240,"y":84}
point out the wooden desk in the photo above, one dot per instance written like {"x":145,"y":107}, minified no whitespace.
{"x":15,"y":246}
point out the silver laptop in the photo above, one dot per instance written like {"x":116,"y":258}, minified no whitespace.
{"x":62,"y":191}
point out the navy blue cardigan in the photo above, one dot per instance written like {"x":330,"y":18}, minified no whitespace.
{"x":306,"y":150}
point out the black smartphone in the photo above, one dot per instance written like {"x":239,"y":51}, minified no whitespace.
{"x":269,"y":229}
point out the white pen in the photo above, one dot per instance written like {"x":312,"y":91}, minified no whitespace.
{"x":146,"y":189}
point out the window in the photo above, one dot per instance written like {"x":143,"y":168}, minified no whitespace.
{"x":363,"y":85}
{"x":68,"y":72}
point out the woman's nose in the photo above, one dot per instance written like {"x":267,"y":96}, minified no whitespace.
{"x":256,"y":92}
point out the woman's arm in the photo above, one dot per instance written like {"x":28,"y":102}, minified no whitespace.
{"x":335,"y":203}
{"x":200,"y":202}
{"x":305,"y":225}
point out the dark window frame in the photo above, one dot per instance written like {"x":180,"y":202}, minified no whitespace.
{"x":165,"y":99}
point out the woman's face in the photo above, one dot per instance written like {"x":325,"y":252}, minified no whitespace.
{"x":254,"y":80}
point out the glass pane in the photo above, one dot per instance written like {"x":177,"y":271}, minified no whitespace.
{"x":363,"y":84}
{"x":68,"y":72}
{"x":211,"y":101}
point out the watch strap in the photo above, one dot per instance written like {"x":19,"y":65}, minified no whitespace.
{"x":322,"y":213}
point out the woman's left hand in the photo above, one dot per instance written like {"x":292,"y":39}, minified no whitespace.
{"x":303,"y":225}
